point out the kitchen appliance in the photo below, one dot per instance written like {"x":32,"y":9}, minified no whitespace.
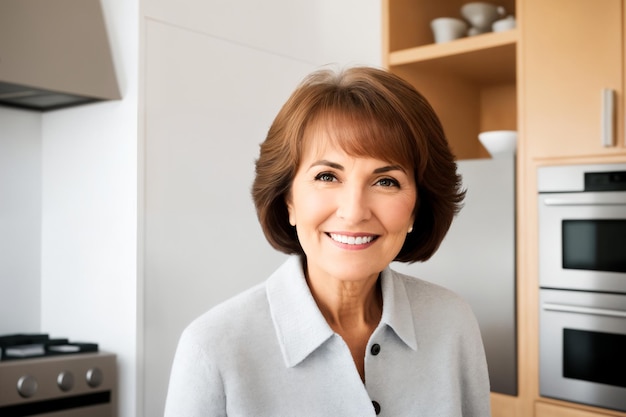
{"x":56,"y":381}
{"x":78,"y":385}
{"x":582,"y":278}
{"x":477,"y":261}
{"x":54,"y":54}
{"x":582,"y":227}
{"x":582,"y":347}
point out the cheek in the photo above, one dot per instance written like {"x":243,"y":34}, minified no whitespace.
{"x":308,"y":206}
{"x":313,"y":207}
{"x":400,"y":216}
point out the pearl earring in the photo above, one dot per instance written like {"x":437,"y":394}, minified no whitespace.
{"x":410,"y":229}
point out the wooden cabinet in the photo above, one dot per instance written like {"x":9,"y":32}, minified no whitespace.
{"x":572,"y":51}
{"x":471,"y":82}
{"x":551,"y":410}
{"x":545,"y":79}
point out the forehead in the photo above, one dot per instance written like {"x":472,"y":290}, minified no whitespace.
{"x":356,"y":136}
{"x":318,"y":142}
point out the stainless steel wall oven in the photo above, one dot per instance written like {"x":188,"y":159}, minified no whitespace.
{"x":582,"y":278}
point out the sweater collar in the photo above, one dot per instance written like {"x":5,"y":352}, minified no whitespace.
{"x":397,"y":312}
{"x":301,"y":327}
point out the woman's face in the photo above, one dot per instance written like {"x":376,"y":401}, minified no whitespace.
{"x":352,"y":214}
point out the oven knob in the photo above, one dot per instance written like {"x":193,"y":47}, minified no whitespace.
{"x":27,"y":386}
{"x":65,"y":381}
{"x":94,"y":377}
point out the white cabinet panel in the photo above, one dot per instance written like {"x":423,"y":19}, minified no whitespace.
{"x":208,"y":105}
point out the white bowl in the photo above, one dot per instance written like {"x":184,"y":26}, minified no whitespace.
{"x":481,"y":15}
{"x":499,"y":143}
{"x":446,"y":29}
{"x":501,"y":25}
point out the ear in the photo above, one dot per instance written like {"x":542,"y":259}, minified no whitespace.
{"x":410,"y":228}
{"x":415,"y":213}
{"x":290,"y":210}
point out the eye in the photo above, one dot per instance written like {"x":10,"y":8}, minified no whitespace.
{"x":325,"y":177}
{"x":388,"y":182}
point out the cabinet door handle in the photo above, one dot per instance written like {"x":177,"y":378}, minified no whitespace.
{"x":608,"y":117}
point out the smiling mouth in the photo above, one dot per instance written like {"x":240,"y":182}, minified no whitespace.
{"x":351,"y":240}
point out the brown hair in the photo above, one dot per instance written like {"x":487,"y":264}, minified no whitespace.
{"x":369,"y":112}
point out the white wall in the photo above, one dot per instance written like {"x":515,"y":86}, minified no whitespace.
{"x":68,"y":216}
{"x":20,"y":221}
{"x":89,"y":207}
{"x":215,"y":75}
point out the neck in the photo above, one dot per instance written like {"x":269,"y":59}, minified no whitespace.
{"x":348,"y":305}
{"x":352,"y":309}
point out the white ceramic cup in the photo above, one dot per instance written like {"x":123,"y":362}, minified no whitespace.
{"x":501,"y":25}
{"x":446,"y":29}
{"x":481,"y":15}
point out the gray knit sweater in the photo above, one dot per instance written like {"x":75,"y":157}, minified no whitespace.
{"x":270,"y":352}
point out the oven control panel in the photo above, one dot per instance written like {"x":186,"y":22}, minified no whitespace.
{"x":58,"y":383}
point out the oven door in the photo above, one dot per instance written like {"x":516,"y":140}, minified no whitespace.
{"x":582,"y":343}
{"x":582,"y":241}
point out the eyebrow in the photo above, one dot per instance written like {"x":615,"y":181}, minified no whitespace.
{"x":335,"y":165}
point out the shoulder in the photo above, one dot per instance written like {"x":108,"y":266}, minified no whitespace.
{"x":230,"y":318}
{"x":207,"y":347}
{"x":442,"y":318}
{"x":417,"y":288}
{"x":236,"y":321}
{"x":430,"y":299}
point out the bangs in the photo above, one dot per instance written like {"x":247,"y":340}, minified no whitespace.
{"x":362,"y":134}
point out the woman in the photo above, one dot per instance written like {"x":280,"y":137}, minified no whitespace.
{"x":355,"y":173}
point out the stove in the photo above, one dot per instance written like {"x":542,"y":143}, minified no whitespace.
{"x":59,"y":382}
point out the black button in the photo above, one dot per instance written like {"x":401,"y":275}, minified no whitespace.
{"x":375,"y":349}
{"x":376,"y":407}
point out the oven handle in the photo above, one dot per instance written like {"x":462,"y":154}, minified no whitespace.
{"x":584,"y":310}
{"x":617,"y":200}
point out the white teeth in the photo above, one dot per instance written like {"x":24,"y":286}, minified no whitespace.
{"x":351,"y":240}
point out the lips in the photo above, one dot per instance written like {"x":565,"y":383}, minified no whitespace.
{"x":352,"y":240}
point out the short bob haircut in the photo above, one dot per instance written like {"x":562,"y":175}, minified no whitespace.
{"x":368,"y":112}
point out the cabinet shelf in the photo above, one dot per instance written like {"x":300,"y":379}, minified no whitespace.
{"x":470,"y":82}
{"x":483,"y":59}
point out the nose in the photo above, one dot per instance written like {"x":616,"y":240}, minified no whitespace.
{"x":353,"y":205}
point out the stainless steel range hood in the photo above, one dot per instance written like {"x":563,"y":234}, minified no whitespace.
{"x":54,"y":54}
